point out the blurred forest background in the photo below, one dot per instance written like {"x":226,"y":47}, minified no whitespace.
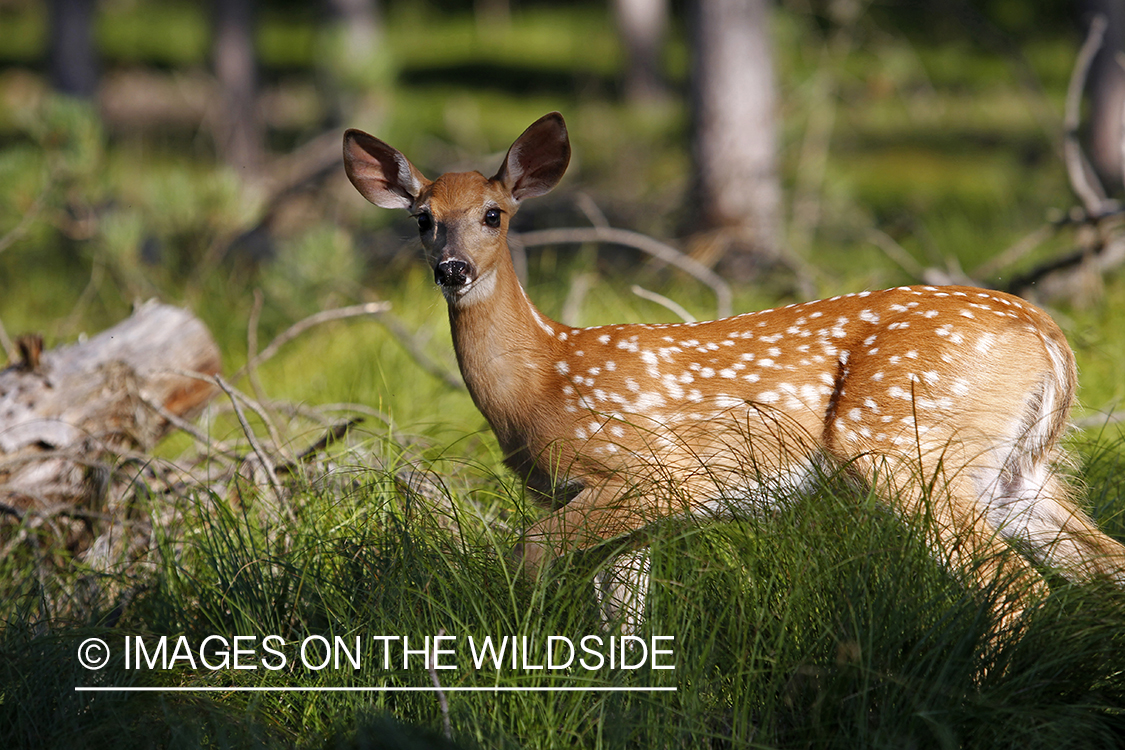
{"x":190,"y":151}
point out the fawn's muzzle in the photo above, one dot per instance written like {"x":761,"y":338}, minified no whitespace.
{"x":452,"y":273}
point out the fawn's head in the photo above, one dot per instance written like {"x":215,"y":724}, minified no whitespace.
{"x":462,"y":216}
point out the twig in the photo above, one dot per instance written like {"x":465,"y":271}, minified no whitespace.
{"x":663,"y":301}
{"x":895,"y":252}
{"x":187,"y":427}
{"x":408,"y":342}
{"x":579,"y":287}
{"x":1104,"y":255}
{"x":267,"y":464}
{"x":591,"y":210}
{"x":252,"y":344}
{"x":7,"y":345}
{"x":295,"y":330}
{"x":378,"y":310}
{"x":267,"y":419}
{"x":1014,"y":253}
{"x":443,"y":702}
{"x":645,"y":244}
{"x":1082,"y":177}
{"x":16,"y":232}
{"x":333,"y":434}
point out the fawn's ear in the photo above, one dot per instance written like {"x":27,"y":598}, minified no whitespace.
{"x":380,"y":173}
{"x":537,"y":160}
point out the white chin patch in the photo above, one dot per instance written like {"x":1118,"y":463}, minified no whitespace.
{"x":473,"y":290}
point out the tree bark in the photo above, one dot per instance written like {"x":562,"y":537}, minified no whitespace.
{"x":1106,"y":90}
{"x":738,"y":193}
{"x":72,"y":59}
{"x":239,"y":134}
{"x":642,"y":24}
{"x":65,"y":413}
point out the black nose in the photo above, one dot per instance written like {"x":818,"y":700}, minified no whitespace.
{"x":452,"y":273}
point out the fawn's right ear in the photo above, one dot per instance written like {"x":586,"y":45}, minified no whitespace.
{"x":380,"y":173}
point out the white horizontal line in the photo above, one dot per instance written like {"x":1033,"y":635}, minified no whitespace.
{"x":400,"y":689}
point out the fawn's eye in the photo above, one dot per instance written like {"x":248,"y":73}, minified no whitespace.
{"x":425,"y":222}
{"x":492,"y":217}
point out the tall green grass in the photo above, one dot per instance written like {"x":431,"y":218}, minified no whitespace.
{"x":826,"y":625}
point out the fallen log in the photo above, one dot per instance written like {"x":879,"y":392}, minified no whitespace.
{"x":66,"y":413}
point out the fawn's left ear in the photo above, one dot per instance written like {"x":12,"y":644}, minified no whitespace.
{"x":537,"y":160}
{"x":380,"y":173}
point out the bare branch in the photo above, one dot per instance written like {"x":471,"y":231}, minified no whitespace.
{"x":896,"y":252}
{"x":410,"y":343}
{"x":267,"y":465}
{"x":1082,"y":178}
{"x":15,"y":233}
{"x":381,"y":312}
{"x":644,"y":243}
{"x":252,"y":344}
{"x":295,"y":330}
{"x":579,"y":287}
{"x":6,"y":344}
{"x":591,"y":210}
{"x":183,"y":425}
{"x":443,"y":702}
{"x":663,"y":301}
{"x":1014,"y":253}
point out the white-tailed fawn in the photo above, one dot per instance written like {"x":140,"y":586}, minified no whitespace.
{"x":951,"y":401}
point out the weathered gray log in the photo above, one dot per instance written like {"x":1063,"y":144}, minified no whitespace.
{"x":67,"y":412}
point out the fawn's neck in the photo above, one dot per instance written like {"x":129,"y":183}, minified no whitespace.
{"x":506,"y":350}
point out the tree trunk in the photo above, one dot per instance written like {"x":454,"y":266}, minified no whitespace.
{"x":239,"y":134}
{"x":66,"y":412}
{"x":738,"y":194}
{"x":1106,"y":90}
{"x":642,"y":24}
{"x":73,"y":63}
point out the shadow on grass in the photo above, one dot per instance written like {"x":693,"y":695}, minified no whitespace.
{"x":828,"y":625}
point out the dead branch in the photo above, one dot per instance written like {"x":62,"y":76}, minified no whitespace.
{"x":6,"y":344}
{"x":896,"y":252}
{"x":1082,"y":178}
{"x":252,"y":344}
{"x":579,"y":287}
{"x":268,"y":467}
{"x":643,"y":243}
{"x":295,"y":330}
{"x":443,"y":702}
{"x":1015,"y":252}
{"x":664,"y":302}
{"x":14,"y":234}
{"x":410,"y":343}
{"x":68,"y":409}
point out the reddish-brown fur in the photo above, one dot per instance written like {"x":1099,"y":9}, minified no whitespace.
{"x":953,"y":399}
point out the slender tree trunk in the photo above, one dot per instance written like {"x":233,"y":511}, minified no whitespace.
{"x":738,"y":193}
{"x":239,"y":133}
{"x":642,"y":25}
{"x":1106,"y":91}
{"x":72,"y":59}
{"x":359,"y":22}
